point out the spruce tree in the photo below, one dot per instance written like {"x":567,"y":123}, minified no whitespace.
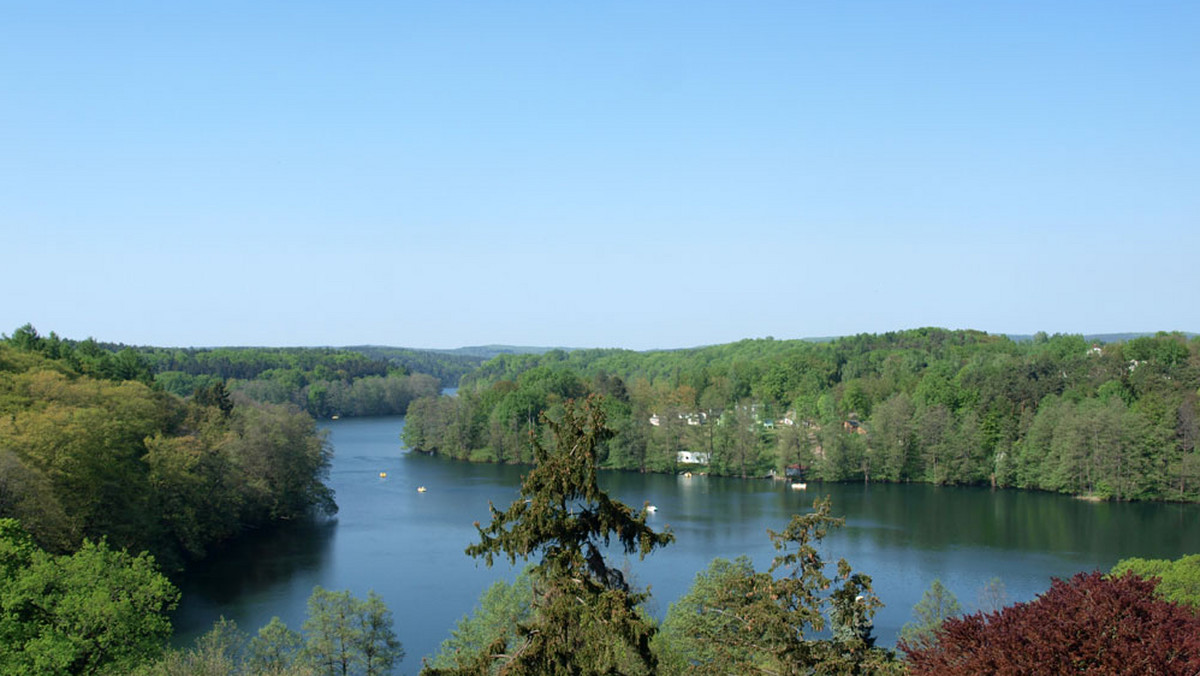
{"x":586,"y":619}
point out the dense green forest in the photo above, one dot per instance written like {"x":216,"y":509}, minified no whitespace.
{"x":448,"y":366}
{"x":325,"y":382}
{"x":99,"y":459}
{"x":90,"y":450}
{"x":1053,"y":413}
{"x":570,"y":612}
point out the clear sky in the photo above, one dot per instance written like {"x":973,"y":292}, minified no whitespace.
{"x":615,"y":174}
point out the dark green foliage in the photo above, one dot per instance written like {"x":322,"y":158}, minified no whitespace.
{"x":97,"y":611}
{"x":585,"y":618}
{"x":215,"y":395}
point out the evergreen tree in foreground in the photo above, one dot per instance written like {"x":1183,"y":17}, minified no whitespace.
{"x":585,"y":617}
{"x":736,"y":620}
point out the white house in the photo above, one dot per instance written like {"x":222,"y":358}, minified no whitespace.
{"x":692,"y":458}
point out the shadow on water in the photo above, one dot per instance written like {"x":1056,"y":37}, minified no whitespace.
{"x":265,"y":564}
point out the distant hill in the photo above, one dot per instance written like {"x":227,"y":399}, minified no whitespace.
{"x":1099,"y":337}
{"x":448,"y":366}
{"x":486,"y":352}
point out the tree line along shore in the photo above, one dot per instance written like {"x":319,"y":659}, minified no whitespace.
{"x":116,"y":469}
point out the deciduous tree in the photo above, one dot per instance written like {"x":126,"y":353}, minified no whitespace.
{"x":936,"y":604}
{"x":97,"y":611}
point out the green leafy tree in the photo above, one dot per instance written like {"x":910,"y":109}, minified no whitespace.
{"x":27,"y":495}
{"x":936,"y":604}
{"x":1178,"y":580}
{"x":345,"y":635}
{"x":377,"y":643}
{"x":696,"y":633}
{"x":215,"y":395}
{"x":585,"y":617}
{"x":737,"y":620}
{"x":97,"y":611}
{"x":501,"y":610}
{"x":216,"y":653}
{"x":276,"y":650}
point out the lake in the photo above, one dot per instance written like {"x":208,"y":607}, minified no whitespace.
{"x":408,"y":546}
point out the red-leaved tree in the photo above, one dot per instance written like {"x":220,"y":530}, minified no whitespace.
{"x":1090,"y":624}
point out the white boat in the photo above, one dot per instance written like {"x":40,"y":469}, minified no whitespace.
{"x":799,"y":486}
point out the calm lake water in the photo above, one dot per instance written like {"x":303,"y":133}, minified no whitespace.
{"x":408,"y":546}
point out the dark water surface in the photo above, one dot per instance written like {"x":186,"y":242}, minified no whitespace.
{"x":408,"y":546}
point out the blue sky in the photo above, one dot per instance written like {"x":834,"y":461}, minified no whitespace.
{"x":619,"y":174}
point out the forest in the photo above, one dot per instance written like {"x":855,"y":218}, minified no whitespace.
{"x":1057,"y":413}
{"x":324,"y":382}
{"x":89,"y":453}
{"x":109,"y":479}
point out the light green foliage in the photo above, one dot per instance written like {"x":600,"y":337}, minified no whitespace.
{"x":698,"y":625}
{"x":993,"y":597}
{"x":737,"y":620}
{"x":97,"y":611}
{"x":275,"y":650}
{"x":502,"y":608}
{"x":346,"y":635}
{"x":82,"y":457}
{"x":343,"y":636}
{"x":1179,"y":580}
{"x":936,"y":604}
{"x":216,"y":653}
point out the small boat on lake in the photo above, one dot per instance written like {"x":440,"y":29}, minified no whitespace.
{"x":420,"y":489}
{"x":799,"y":486}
